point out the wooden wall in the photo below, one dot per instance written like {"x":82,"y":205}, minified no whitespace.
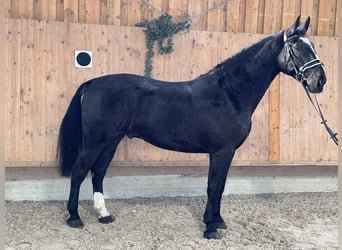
{"x":41,"y":79}
{"x":251,"y":16}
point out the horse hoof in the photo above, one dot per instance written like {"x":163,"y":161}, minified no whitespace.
{"x":211,"y":235}
{"x":77,"y":223}
{"x":106,"y":219}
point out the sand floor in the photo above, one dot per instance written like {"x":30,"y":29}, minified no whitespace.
{"x":269,"y":221}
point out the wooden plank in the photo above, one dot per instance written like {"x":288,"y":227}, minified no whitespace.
{"x":291,"y":111}
{"x":60,"y":10}
{"x":37,"y":9}
{"x":14,"y":11}
{"x":82,"y":11}
{"x":291,"y":10}
{"x":315,"y":14}
{"x":251,"y":17}
{"x":52,"y":81}
{"x":3,"y":73}
{"x":261,"y":16}
{"x":12,"y":84}
{"x":306,"y":10}
{"x":92,"y":11}
{"x":273,"y":16}
{"x":273,"y":23}
{"x":326,"y":19}
{"x":236,"y":16}
{"x":133,"y":12}
{"x":49,"y":10}
{"x":99,"y":45}
{"x":161,"y":5}
{"x":165,"y":6}
{"x":39,"y":91}
{"x":332,"y":97}
{"x":54,"y":92}
{"x":217,"y":18}
{"x":27,"y":91}
{"x":25,"y":9}
{"x":7,"y":7}
{"x":124,"y":10}
{"x":274,"y":124}
{"x":103,"y":11}
{"x":195,"y":7}
{"x":70,"y":11}
{"x":179,"y":10}
{"x":146,"y":11}
{"x":113,"y":12}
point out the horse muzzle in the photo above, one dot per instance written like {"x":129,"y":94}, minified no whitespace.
{"x":315,"y":83}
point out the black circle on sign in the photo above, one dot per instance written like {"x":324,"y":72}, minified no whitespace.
{"x":83,"y":59}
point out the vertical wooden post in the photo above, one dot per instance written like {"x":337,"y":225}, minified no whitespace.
{"x":3,"y":44}
{"x":273,"y":22}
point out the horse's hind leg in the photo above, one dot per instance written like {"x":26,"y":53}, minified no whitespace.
{"x":98,"y":173}
{"x":83,"y":164}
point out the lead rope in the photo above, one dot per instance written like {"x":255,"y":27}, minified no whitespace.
{"x":332,"y":134}
{"x":190,"y":20}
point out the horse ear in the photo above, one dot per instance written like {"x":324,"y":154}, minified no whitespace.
{"x":304,"y":28}
{"x":290,"y":31}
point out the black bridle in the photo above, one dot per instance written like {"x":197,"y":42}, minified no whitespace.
{"x":303,"y":79}
{"x":301,"y":70}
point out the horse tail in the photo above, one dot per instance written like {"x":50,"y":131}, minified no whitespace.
{"x":70,"y":140}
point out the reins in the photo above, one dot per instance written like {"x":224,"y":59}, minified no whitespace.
{"x":316,"y":106}
{"x":301,"y":77}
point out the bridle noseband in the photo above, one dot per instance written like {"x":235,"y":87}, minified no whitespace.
{"x":300,"y":71}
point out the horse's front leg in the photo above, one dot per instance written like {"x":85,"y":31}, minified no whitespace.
{"x":218,"y":170}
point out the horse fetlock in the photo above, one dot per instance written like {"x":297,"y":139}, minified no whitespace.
{"x":99,"y":205}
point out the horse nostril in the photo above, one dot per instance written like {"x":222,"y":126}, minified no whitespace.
{"x":322,"y":81}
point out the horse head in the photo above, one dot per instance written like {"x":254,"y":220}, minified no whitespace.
{"x":299,"y":59}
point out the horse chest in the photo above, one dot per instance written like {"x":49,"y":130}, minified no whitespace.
{"x":236,"y":131}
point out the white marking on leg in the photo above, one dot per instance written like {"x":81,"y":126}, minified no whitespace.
{"x":99,"y":205}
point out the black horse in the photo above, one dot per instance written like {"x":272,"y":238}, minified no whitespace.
{"x":210,"y":114}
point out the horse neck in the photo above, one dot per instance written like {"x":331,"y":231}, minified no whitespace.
{"x":248,"y":74}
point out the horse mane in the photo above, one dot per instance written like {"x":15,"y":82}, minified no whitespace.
{"x":240,"y":58}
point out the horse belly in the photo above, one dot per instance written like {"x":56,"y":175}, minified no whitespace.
{"x":169,"y":129}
